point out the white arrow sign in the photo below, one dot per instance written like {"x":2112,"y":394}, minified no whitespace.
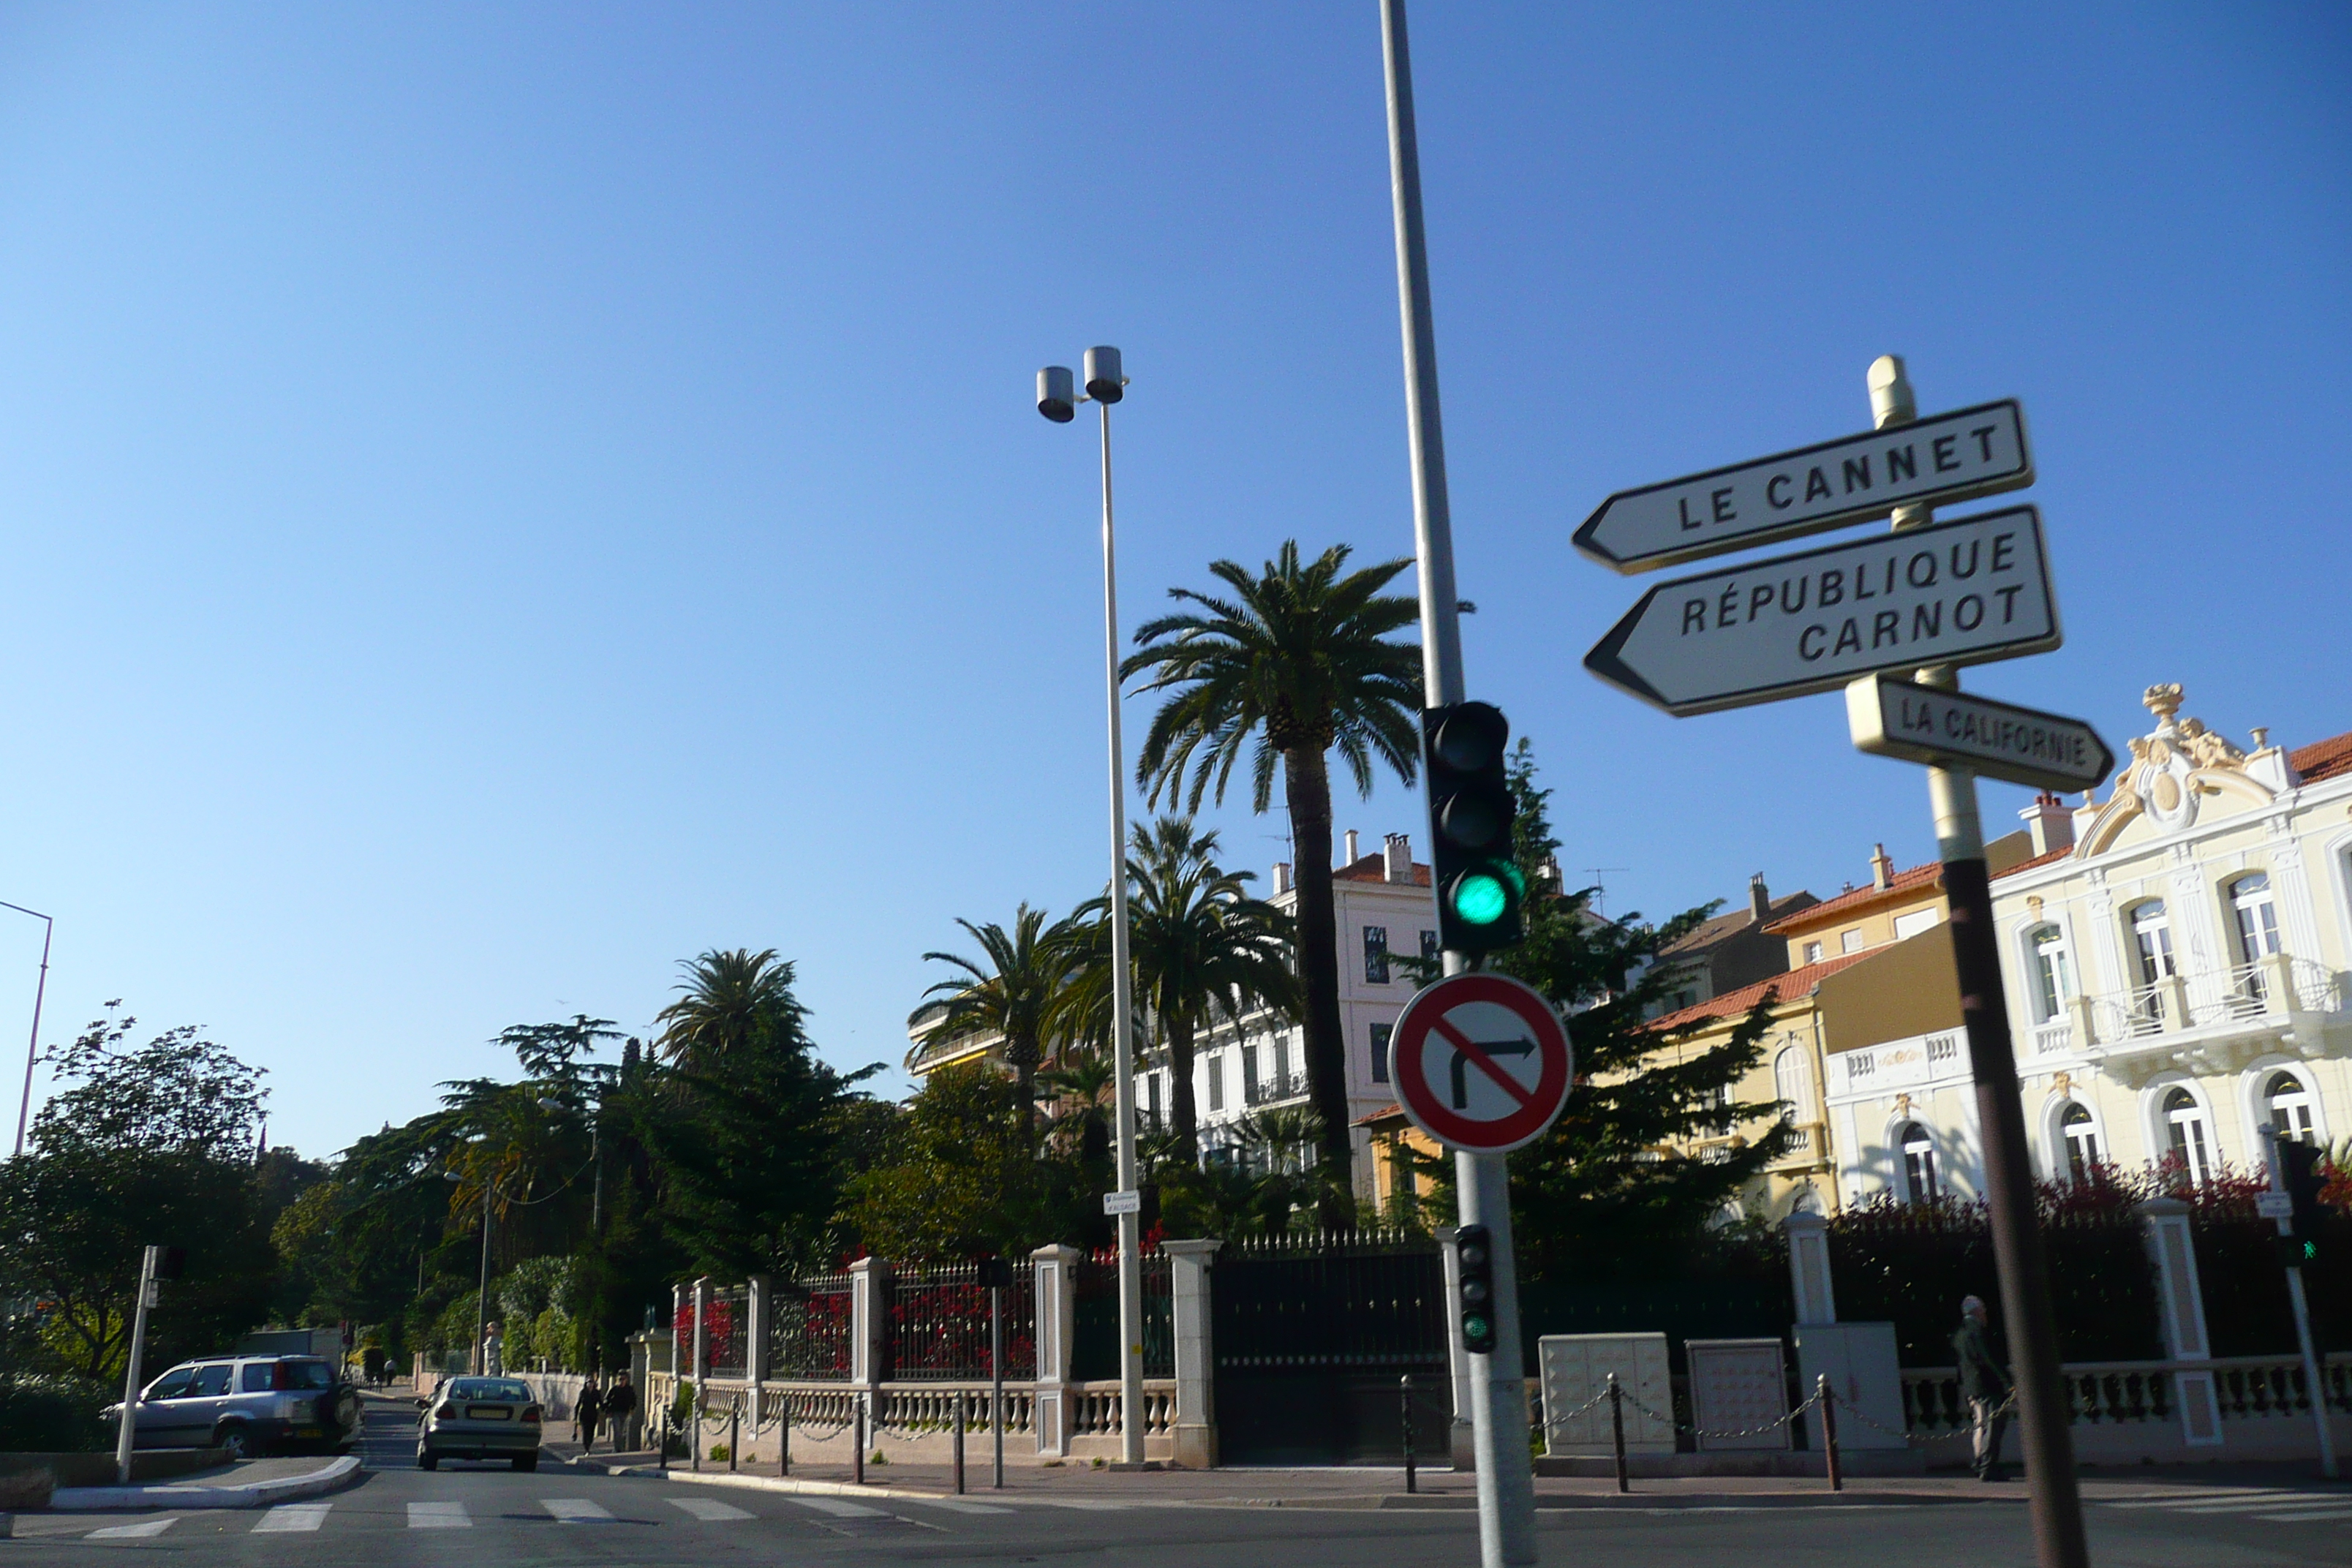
{"x":1895,"y":718}
{"x":1949,"y":458}
{"x":1964,"y":591}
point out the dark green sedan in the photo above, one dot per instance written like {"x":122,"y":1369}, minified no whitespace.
{"x":479,"y":1418}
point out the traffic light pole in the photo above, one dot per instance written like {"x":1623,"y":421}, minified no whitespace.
{"x":1506,"y":1503}
{"x":2312,"y":1370}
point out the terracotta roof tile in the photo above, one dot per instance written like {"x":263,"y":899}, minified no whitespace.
{"x":2323,"y":759}
{"x":1392,"y":1108}
{"x":2058,"y":853}
{"x":1707,"y":933}
{"x":1830,"y":909}
{"x":1784,"y":988}
{"x":1374,"y":869}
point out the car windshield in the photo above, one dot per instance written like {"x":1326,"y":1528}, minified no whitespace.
{"x":503,"y":1389}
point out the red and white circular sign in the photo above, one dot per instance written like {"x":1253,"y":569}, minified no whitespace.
{"x":1480,"y":1062}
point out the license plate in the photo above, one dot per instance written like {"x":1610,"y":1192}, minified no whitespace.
{"x":308,"y":1432}
{"x":488,"y":1413}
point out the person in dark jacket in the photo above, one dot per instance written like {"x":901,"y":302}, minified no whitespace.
{"x":586,"y":1412}
{"x":1984,"y":1384}
{"x":621,"y":1410}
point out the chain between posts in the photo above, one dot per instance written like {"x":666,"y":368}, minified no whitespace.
{"x":1845,"y":1409}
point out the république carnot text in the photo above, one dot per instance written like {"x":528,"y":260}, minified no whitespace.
{"x":1843,"y":609}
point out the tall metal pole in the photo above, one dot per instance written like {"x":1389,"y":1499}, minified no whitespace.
{"x":1506,"y":1502}
{"x":1130,"y":1225}
{"x":2053,"y":1497}
{"x":479,"y":1361}
{"x":126,"y":1428}
{"x":33,"y":1046}
{"x":2313,"y":1378}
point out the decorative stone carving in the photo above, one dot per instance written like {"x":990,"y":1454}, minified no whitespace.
{"x":2173,"y":770}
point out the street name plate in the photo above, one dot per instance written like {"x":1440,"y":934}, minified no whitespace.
{"x":1951,"y":456}
{"x":1122,"y":1202}
{"x":1894,"y":717}
{"x":1965,"y":591}
{"x":2274,"y":1205}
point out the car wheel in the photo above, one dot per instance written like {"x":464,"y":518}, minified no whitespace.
{"x":526,"y":1461}
{"x":427,"y":1460}
{"x":232,"y":1436}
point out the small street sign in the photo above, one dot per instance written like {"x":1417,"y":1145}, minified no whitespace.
{"x":2274,"y":1205}
{"x":1480,"y":1062}
{"x":1894,"y":717}
{"x":1965,"y":591}
{"x":1950,"y":458}
{"x":1122,"y":1202}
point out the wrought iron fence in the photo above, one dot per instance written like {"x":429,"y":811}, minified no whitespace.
{"x":1093,"y":1333}
{"x":938,"y":1325}
{"x":727,"y":1334}
{"x":811,"y":1331}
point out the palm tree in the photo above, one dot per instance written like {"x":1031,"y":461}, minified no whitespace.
{"x":1084,"y":1081}
{"x":729,"y":998}
{"x":1017,"y":993}
{"x":1295,"y":663}
{"x":1198,"y":945}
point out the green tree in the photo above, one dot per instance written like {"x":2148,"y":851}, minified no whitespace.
{"x":965,"y":1175}
{"x":1017,"y":991}
{"x":1296,"y":663}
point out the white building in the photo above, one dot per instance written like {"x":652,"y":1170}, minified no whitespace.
{"x":2175,"y":962}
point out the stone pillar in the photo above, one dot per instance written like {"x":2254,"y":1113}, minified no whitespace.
{"x":2182,"y":1302}
{"x":1809,"y":1268}
{"x":1457,"y":1358}
{"x":1057,"y":1323}
{"x":1196,"y":1367}
{"x":869,"y":1321}
{"x":758,"y":1304}
{"x":698,"y":1366}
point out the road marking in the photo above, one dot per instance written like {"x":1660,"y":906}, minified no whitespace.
{"x":134,"y":1531}
{"x":1091,"y":1505}
{"x":709,"y":1510}
{"x":290,"y":1517}
{"x":838,"y":1509}
{"x":2307,"y":1511}
{"x":438,"y":1516}
{"x":575,"y":1510}
{"x":2213,"y":1500}
{"x":957,"y":1505}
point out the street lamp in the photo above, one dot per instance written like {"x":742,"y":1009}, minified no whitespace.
{"x":482,"y":1292}
{"x":1057,"y":400}
{"x":40,"y":988}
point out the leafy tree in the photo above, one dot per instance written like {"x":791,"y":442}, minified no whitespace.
{"x":965,"y":1176}
{"x":1295,"y":664}
{"x":1017,"y":992}
{"x":1086,"y":1084}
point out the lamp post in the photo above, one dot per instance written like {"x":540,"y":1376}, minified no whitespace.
{"x":475,"y":1358}
{"x":1057,"y":400}
{"x":40,"y":989}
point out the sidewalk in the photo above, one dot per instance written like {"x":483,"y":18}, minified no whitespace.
{"x":1383,"y":1487}
{"x":249,"y":1483}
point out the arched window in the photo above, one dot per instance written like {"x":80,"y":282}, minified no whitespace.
{"x":2151,"y":933}
{"x":2191,"y":1140}
{"x":2081,"y":1136}
{"x":2052,"y":972}
{"x":1792,"y":1080}
{"x":1918,"y":1162}
{"x":2290,"y":1107}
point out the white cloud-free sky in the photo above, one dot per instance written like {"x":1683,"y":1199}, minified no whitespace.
{"x":498,"y":500}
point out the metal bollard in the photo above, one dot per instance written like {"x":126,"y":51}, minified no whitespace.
{"x":694,"y":1431}
{"x":858,"y":1439}
{"x":1617,"y":1430}
{"x":664,"y":1439}
{"x":784,"y":1438}
{"x":734,"y":1431}
{"x":1404,"y":1408}
{"x":959,"y":1442}
{"x":1829,"y":1431}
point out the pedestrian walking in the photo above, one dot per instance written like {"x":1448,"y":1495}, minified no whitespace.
{"x":494,"y":1351}
{"x":585,"y":1413}
{"x":621,"y":1412}
{"x":1985,"y":1385}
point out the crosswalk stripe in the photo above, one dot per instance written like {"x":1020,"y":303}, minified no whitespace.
{"x":838,"y":1509}
{"x":575,"y":1510}
{"x":134,"y":1531}
{"x":2336,"y":1511}
{"x":1092,"y":1505}
{"x":287,"y":1518}
{"x":438,"y":1516}
{"x":708,"y":1508}
{"x":2210,"y":1499}
{"x":2240,"y":1505}
{"x":957,"y":1505}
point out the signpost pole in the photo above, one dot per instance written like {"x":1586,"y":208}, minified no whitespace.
{"x":2312,"y":1370}
{"x":2053,"y":1497}
{"x":126,"y":1429}
{"x":1506,"y":1535}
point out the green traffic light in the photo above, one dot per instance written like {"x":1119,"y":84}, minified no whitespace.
{"x":1481,"y":898}
{"x":1474,"y":1327}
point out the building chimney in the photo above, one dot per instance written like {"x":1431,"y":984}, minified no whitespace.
{"x":1351,"y":848}
{"x":1396,"y":858}
{"x":1282,"y":876}
{"x":2049,"y":822}
{"x":1882,"y":870}
{"x":1759,"y":901}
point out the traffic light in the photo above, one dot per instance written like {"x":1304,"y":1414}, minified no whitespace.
{"x":1473,"y":1252}
{"x":2299,"y":1164}
{"x":1479,"y":889}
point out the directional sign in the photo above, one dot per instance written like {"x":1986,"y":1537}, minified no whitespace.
{"x":1964,"y":591}
{"x":2274,"y":1205}
{"x":1480,"y":1062}
{"x":1895,"y":718}
{"x":1952,"y":457}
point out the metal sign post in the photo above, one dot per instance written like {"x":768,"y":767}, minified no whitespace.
{"x":126,"y":1428}
{"x":2278,"y":1206}
{"x":1507,"y":1493}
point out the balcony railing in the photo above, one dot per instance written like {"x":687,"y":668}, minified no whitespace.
{"x":2273,"y":988}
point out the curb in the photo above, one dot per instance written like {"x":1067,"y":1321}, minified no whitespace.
{"x":759,"y":1483}
{"x":335,"y":1476}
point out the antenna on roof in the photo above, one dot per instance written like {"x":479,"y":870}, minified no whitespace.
{"x":1599,"y":889}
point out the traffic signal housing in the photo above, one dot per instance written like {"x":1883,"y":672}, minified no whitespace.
{"x":1479,"y":887}
{"x":2299,"y":1168}
{"x":1474,"y":1253}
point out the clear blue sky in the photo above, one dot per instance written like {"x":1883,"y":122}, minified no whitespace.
{"x":498,"y":500}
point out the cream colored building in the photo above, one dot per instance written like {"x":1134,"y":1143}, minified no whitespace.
{"x":2174,"y":963}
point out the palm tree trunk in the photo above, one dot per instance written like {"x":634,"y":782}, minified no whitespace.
{"x":1306,"y":787}
{"x":1184,"y":1113}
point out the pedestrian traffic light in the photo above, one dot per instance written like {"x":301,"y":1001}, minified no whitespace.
{"x":2299,"y":1165}
{"x":1479,"y":889}
{"x":1473,"y":1254}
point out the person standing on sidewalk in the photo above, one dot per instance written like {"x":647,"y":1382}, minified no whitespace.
{"x":585,"y":1413}
{"x":621,"y":1410}
{"x":1984,"y":1384}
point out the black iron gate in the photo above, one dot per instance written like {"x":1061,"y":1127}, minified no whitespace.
{"x":1310,"y":1338}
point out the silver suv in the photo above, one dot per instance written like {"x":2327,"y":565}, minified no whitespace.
{"x":248,"y":1405}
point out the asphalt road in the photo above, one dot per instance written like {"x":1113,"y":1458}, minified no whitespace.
{"x":489,"y":1515}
